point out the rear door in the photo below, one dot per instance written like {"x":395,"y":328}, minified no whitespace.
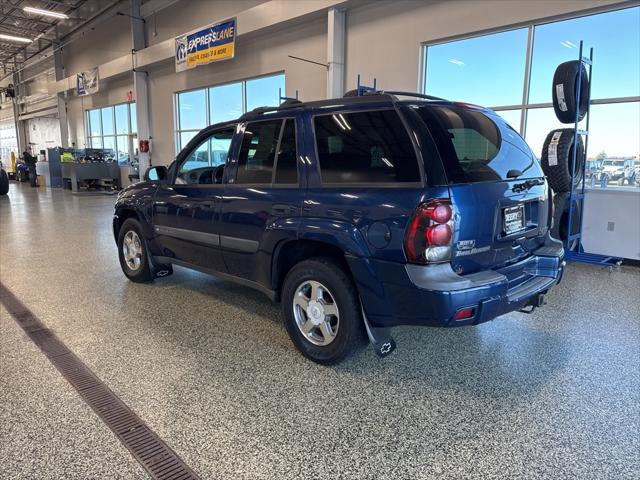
{"x":496,"y":186}
{"x":262,"y":198}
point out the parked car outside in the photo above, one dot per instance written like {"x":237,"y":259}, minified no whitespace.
{"x":358,"y":214}
{"x":593,"y":172}
{"x":621,"y":170}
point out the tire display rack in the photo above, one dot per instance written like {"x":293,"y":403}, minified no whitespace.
{"x":573,"y":242}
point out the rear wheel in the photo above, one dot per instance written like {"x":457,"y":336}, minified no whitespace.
{"x":322,"y":311}
{"x":132,"y":252}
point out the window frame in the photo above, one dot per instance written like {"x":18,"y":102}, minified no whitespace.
{"x":525,"y":105}
{"x":272,"y":184}
{"x":418,"y":154}
{"x":202,"y":136}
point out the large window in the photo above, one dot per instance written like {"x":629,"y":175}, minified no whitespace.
{"x":196,"y":109}
{"x":113,"y":128}
{"x":492,"y":70}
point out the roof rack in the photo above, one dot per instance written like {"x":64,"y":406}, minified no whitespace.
{"x":290,"y":103}
{"x":411,"y":94}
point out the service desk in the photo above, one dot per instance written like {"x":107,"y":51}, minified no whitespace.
{"x":90,"y":171}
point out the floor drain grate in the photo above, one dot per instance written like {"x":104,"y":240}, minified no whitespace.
{"x":149,"y":450}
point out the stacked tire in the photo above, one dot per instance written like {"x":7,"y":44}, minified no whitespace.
{"x":561,"y":144}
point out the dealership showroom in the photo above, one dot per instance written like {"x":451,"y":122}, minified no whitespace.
{"x":320,"y":239}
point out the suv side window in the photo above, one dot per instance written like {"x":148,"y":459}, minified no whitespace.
{"x":258,"y":152}
{"x":365,"y":147}
{"x":205,"y":165}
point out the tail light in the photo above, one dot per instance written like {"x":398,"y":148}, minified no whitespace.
{"x":429,"y":233}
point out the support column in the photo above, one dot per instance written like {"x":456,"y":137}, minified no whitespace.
{"x":336,"y":52}
{"x":62,"y":97}
{"x":21,"y":135}
{"x":140,"y":87}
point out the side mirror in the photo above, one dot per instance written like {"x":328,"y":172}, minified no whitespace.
{"x":156,"y":174}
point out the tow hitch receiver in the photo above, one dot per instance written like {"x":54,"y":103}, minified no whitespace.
{"x":538,"y":301}
{"x":380,"y":338}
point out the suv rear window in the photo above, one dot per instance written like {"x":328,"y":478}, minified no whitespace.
{"x":365,"y":147}
{"x":469,"y":143}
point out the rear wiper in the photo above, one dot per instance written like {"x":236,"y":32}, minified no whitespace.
{"x":526,"y":185}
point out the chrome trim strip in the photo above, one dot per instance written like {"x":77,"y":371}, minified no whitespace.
{"x":239,"y":244}
{"x":189,"y":235}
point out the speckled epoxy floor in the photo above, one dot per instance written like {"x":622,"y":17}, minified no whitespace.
{"x":209,"y":367}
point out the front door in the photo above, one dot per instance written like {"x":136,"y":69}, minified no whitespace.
{"x":185,"y":210}
{"x":262,"y":199}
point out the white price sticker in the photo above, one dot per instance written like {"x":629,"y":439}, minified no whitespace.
{"x":552,"y":152}
{"x":562,"y":104}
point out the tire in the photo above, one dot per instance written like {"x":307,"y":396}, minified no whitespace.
{"x":129,"y":230}
{"x":339,"y":291}
{"x":559,"y":174}
{"x":604,"y":181}
{"x":4,"y":182}
{"x":561,"y":218}
{"x":564,"y":89}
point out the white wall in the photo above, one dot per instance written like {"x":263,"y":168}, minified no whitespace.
{"x":186,"y":16}
{"x":42,"y":133}
{"x":611,"y":222}
{"x":111,"y":39}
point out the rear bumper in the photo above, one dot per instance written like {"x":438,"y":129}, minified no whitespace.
{"x":431,"y":295}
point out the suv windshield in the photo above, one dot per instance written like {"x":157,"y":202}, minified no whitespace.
{"x":471,"y":145}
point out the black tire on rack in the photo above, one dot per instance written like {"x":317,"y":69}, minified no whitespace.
{"x":560,"y":226}
{"x":564,"y":90}
{"x":557,"y":154}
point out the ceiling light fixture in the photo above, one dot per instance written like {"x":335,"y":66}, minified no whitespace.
{"x":46,"y":13}
{"x":13,"y":38}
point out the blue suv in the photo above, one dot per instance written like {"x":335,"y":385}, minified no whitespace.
{"x":357,"y":214}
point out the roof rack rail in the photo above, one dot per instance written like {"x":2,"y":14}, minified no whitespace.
{"x":411,"y":94}
{"x":289,"y":103}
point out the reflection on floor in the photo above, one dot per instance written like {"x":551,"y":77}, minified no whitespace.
{"x":209,"y":367}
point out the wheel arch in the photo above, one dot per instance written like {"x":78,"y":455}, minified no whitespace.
{"x":123,"y":213}
{"x":288,"y":253}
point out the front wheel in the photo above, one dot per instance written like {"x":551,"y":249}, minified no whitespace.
{"x":322,"y":311}
{"x":132,"y":252}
